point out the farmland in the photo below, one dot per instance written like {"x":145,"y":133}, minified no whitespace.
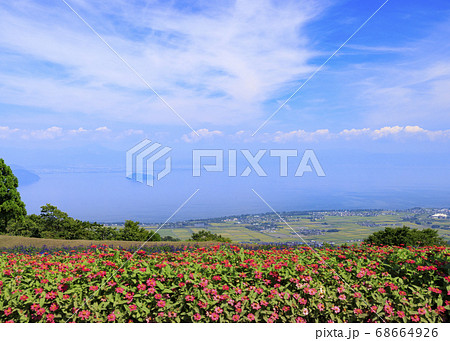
{"x":335,"y":227}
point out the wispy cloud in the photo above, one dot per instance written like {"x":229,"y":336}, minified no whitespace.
{"x":54,"y":133}
{"x":217,"y":65}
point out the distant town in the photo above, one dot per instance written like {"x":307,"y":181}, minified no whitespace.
{"x":313,"y":227}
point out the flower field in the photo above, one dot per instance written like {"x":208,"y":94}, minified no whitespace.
{"x":227,"y":283}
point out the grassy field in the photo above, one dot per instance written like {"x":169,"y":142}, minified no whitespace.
{"x":13,"y":241}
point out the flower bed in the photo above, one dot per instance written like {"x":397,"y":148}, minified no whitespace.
{"x":227,"y":284}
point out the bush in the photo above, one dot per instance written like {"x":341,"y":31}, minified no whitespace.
{"x":405,"y":236}
{"x":206,"y":236}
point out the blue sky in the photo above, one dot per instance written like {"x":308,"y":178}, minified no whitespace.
{"x":377,"y":114}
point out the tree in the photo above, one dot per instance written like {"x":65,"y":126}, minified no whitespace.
{"x":11,"y":205}
{"x":204,"y":236}
{"x":132,"y":231}
{"x":405,"y":236}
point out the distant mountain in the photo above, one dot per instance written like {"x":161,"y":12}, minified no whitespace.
{"x":24,"y":176}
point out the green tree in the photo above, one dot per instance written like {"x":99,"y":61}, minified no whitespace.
{"x":204,"y":236}
{"x":132,"y":231}
{"x":11,"y":205}
{"x":405,"y":236}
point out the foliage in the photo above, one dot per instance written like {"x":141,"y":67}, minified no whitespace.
{"x":227,"y":283}
{"x":53,"y":223}
{"x":204,"y":236}
{"x":405,"y":236}
{"x":132,"y":231}
{"x":11,"y":205}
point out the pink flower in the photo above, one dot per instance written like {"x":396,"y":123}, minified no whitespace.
{"x":302,"y":301}
{"x":141,"y":286}
{"x":119,"y":290}
{"x":401,"y":313}
{"x":54,"y":307}
{"x":111,"y":317}
{"x":189,"y":298}
{"x":93,"y":288}
{"x":236,"y":318}
{"x":256,"y":306}
{"x":421,"y":311}
{"x":336,"y":309}
{"x":84,"y":314}
{"x":357,"y":311}
{"x":197,"y":317}
{"x":251,"y":317}
{"x":161,"y":304}
{"x":388,"y":309}
{"x":218,"y":310}
{"x":214,"y":316}
{"x":320,"y":306}
{"x":342,"y":297}
{"x":305,"y":311}
{"x":415,"y":318}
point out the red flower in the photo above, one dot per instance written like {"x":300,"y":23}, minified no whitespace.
{"x":84,"y":314}
{"x":357,"y":311}
{"x":421,"y":311}
{"x":189,"y":298}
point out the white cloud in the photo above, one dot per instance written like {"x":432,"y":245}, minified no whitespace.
{"x":46,"y":134}
{"x":6,"y":132}
{"x":202,"y":135}
{"x":103,"y":129}
{"x":214,"y":66}
{"x":53,"y":133}
{"x":396,"y":132}
{"x":386,"y":131}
